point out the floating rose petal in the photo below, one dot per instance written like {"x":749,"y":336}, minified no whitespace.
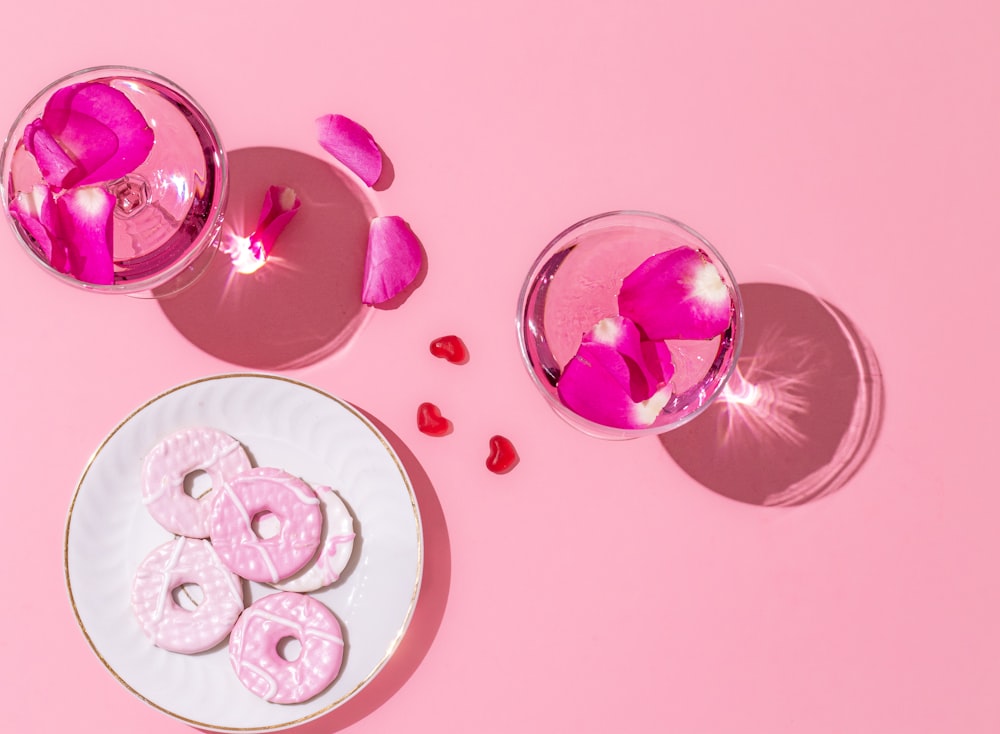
{"x":352,"y":145}
{"x":392,"y":261}
{"x":88,"y":133}
{"x":36,"y":213}
{"x":56,"y":167}
{"x":677,"y":294}
{"x":616,"y":378}
{"x":85,"y":221}
{"x":640,"y":371}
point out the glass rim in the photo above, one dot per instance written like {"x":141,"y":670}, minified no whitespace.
{"x":585,"y":425}
{"x":211,"y":229}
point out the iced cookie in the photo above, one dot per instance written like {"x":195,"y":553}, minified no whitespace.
{"x":275,"y":494}
{"x":258,"y":662}
{"x":170,"y":626}
{"x":165,"y":468}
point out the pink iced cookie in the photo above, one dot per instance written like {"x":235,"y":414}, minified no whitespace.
{"x":165,"y":467}
{"x":272,"y":493}
{"x":335,"y":547}
{"x":254,"y":654}
{"x":170,"y":626}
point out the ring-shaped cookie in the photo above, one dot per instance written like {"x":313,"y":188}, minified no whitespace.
{"x":335,"y":547}
{"x":166,"y":466}
{"x":258,"y":492}
{"x":170,"y":626}
{"x":260,"y":666}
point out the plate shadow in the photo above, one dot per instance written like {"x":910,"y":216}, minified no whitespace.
{"x":800,"y":415}
{"x":304,"y":303}
{"x":430,"y":608}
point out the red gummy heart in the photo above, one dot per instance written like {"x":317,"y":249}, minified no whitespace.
{"x":451,"y":348}
{"x":502,"y":456}
{"x":431,"y":422}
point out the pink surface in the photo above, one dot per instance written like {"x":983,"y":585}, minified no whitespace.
{"x":843,"y":157}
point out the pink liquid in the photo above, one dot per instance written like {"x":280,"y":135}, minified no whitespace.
{"x":170,"y":204}
{"x":579,"y":286}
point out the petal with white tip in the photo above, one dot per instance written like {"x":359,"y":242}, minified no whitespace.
{"x":677,"y":294}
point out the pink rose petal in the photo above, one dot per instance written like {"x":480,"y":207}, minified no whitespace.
{"x":596,"y":385}
{"x":392,"y":261}
{"x":280,"y":206}
{"x":35,"y":211}
{"x":55,"y":165}
{"x":657,"y":360}
{"x":99,"y":129}
{"x":85,"y":217}
{"x":352,"y":145}
{"x":678,"y":294}
{"x":639,"y":373}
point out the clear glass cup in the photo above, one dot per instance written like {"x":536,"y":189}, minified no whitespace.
{"x":167,"y":210}
{"x":574,"y":284}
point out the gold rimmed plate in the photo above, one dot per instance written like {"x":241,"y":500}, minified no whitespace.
{"x":282,"y":423}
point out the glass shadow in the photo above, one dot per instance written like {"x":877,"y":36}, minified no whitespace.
{"x":800,"y":414}
{"x":304,"y":302}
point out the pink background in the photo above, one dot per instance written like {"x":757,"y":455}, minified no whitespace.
{"x":847,"y":150}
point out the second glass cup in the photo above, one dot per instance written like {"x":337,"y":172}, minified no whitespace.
{"x":630,"y":323}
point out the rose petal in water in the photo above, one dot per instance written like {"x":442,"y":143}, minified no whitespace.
{"x":56,"y":167}
{"x":617,"y":378}
{"x":677,"y":294}
{"x":92,"y":126}
{"x":35,"y":211}
{"x":392,"y":261}
{"x":85,"y":217}
{"x":352,"y":145}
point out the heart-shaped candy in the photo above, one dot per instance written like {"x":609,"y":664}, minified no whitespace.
{"x":502,"y":456}
{"x":431,"y":422}
{"x":451,"y":348}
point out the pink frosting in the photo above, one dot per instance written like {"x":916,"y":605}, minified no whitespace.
{"x":170,"y":626}
{"x":165,"y":467}
{"x":266,"y":491}
{"x":254,"y":654}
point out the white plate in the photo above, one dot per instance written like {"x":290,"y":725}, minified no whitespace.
{"x":285,"y":424}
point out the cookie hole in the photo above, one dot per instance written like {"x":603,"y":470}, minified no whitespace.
{"x":265,"y":525}
{"x":197,"y":483}
{"x":188,"y":596}
{"x":289,"y":648}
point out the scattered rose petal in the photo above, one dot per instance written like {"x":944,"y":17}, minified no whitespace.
{"x":393,"y":259}
{"x":450,"y":348}
{"x":616,"y":378}
{"x":85,"y":216}
{"x":677,"y":294}
{"x":430,"y":420}
{"x":94,"y":126}
{"x":280,"y":206}
{"x":352,"y":145}
{"x":502,"y":457}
